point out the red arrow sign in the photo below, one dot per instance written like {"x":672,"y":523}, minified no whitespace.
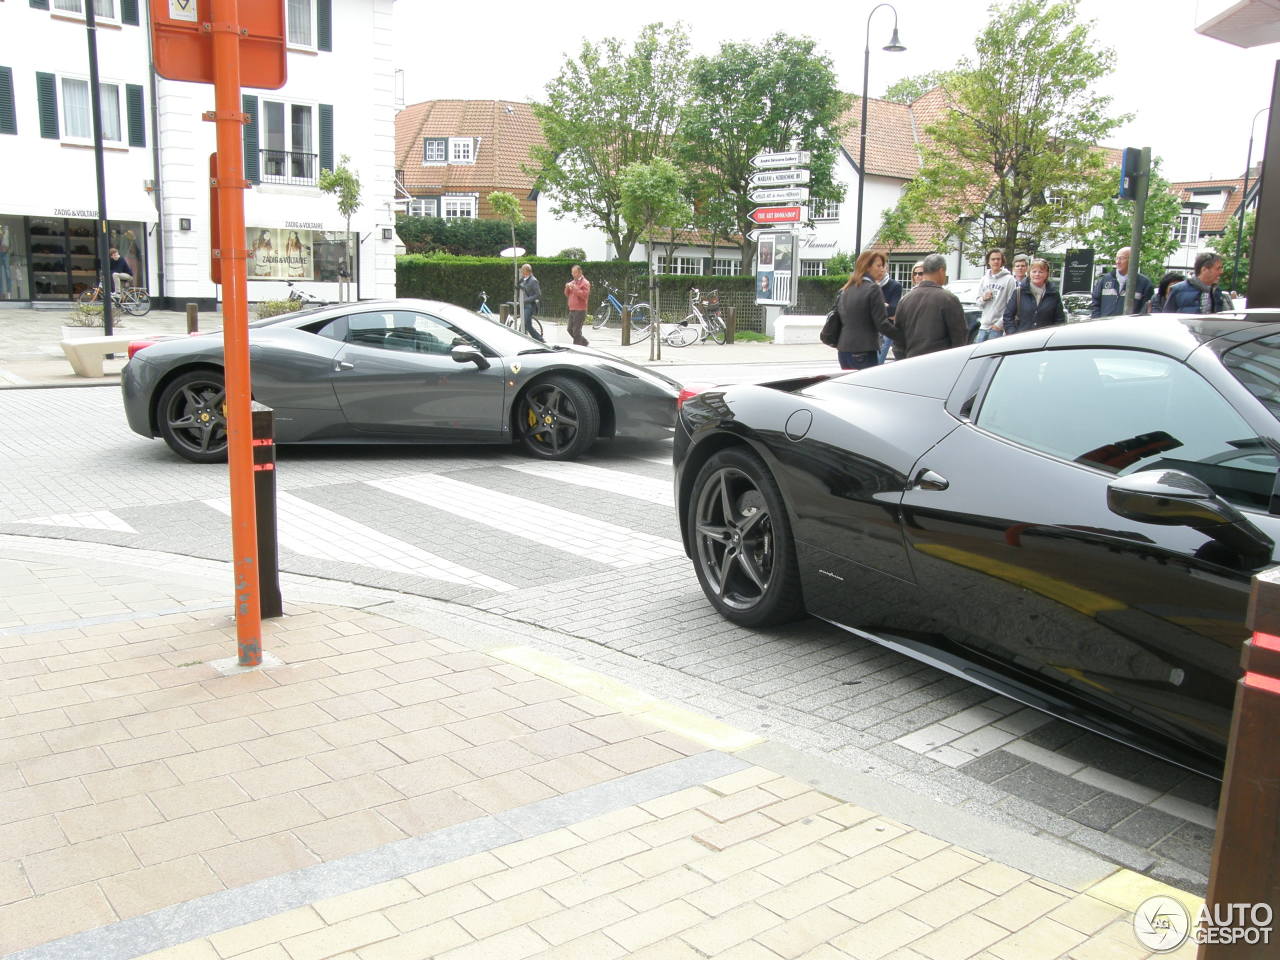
{"x":775,"y":215}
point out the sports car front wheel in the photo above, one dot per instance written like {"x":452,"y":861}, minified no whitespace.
{"x":190,"y":416}
{"x":557,"y":419}
{"x":743,"y":551}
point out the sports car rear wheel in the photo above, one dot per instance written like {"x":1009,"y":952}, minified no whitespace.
{"x":558,"y":419}
{"x":191,"y":418}
{"x":743,"y":551}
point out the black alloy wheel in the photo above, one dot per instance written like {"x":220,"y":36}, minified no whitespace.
{"x":190,"y":416}
{"x":743,"y":553}
{"x":557,"y":419}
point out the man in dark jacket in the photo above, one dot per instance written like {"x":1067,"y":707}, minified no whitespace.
{"x":1108,"y":289}
{"x":892,"y":291}
{"x":530,"y":295}
{"x":1200,"y":293}
{"x":929,"y":317}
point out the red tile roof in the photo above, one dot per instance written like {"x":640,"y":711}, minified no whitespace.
{"x":892,"y":148}
{"x":1214,"y":221}
{"x":506,"y":131}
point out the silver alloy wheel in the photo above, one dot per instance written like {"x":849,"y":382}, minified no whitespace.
{"x":734,"y":537}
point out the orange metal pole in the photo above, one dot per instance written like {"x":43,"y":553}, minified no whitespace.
{"x":229,"y":120}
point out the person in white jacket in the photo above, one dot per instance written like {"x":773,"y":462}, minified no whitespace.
{"x":993,"y":296}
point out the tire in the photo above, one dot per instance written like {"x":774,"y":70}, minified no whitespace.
{"x":536,"y":326}
{"x":557,"y":419}
{"x":716,"y":329}
{"x":603,"y":315}
{"x":190,"y":416}
{"x":89,"y":298}
{"x":683,"y":334}
{"x":137,"y":301}
{"x":641,"y":322}
{"x":743,"y":551}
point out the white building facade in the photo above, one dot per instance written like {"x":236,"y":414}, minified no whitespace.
{"x":338,"y":100}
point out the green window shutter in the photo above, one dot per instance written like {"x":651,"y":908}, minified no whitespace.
{"x":326,"y":136}
{"x":47,"y":101}
{"x":8,"y":113}
{"x":40,"y":4}
{"x":129,"y":12}
{"x":137,"y":124}
{"x":251,"y":173}
{"x":324,"y":24}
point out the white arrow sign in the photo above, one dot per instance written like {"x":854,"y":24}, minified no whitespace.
{"x":780,"y":195}
{"x":778,"y":178}
{"x":795,"y":158}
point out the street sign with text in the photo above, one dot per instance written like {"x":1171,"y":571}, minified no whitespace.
{"x":770,"y":161}
{"x":776,"y":214}
{"x":780,"y":195}
{"x":778,"y":178}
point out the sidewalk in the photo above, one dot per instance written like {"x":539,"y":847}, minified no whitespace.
{"x":407,"y":779}
{"x":30,"y":355}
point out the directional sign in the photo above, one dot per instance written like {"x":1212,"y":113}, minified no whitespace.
{"x":776,"y":214}
{"x":780,"y":195}
{"x":778,"y":178}
{"x":772,"y":161}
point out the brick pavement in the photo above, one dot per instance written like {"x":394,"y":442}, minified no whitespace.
{"x":407,"y":782}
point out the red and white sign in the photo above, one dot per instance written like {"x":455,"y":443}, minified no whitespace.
{"x":776,"y":214}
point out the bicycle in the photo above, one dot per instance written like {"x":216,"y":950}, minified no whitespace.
{"x":641,"y":313}
{"x":134,"y":300}
{"x":698,"y":326}
{"x":300,"y":297}
{"x":513,"y":321}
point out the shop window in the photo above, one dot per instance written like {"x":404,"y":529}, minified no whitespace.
{"x":287,"y":254}
{"x":14,"y":281}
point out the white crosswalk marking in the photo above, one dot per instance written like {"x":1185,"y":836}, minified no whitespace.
{"x":569,"y":532}
{"x":303,"y":527}
{"x":605,"y":479}
{"x":94,"y":520}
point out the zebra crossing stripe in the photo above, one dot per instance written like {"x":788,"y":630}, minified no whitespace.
{"x":93,"y":520}
{"x":604,"y":479}
{"x":313,"y":531}
{"x":562,"y":530}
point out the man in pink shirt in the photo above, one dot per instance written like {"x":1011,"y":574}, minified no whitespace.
{"x":578,"y":290}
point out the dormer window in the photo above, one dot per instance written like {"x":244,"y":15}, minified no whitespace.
{"x":1213,"y":200}
{"x":435,"y":150}
{"x":462,"y":150}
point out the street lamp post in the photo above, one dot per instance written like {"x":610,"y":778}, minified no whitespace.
{"x":1244,"y":199}
{"x":893,"y":47}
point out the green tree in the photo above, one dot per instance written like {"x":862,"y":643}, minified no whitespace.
{"x":507,"y":207}
{"x":748,"y":99}
{"x":1226,"y":245}
{"x":1112,"y":229}
{"x":652,"y":199}
{"x":345,"y":185}
{"x":911,"y":89}
{"x":1015,"y":158}
{"x":609,"y":108}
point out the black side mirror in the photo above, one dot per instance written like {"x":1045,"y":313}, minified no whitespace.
{"x":468,"y":353}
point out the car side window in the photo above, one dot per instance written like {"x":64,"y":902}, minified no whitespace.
{"x":403,"y":330}
{"x":1122,"y":411}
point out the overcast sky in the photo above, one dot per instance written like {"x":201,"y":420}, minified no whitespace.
{"x":1193,"y":97}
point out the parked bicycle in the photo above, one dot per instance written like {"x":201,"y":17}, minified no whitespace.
{"x":513,"y":320}
{"x":133,"y":300}
{"x":697,"y":326}
{"x":300,"y":297}
{"x":611,"y":307}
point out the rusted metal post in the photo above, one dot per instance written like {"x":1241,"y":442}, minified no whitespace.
{"x":1246,"y":849}
{"x":730,"y":323}
{"x":626,"y":326}
{"x":271,"y":603}
{"x":193,"y":318}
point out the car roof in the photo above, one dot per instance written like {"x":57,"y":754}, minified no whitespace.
{"x":1173,"y":334}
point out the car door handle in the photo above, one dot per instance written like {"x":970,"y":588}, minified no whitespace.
{"x":928,"y":480}
{"x":340,"y":365}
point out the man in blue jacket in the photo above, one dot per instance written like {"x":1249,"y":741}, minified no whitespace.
{"x":1200,"y":293}
{"x":1108,"y":289}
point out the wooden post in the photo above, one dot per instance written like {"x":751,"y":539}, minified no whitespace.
{"x":626,"y":326}
{"x":1246,"y":849}
{"x":193,"y":318}
{"x":730,"y":323}
{"x":264,"y":496}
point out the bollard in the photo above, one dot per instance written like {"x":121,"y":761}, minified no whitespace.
{"x":264,"y":501}
{"x":626,"y":326}
{"x":503,"y":313}
{"x":1246,"y":849}
{"x":730,"y":323}
{"x":193,"y":318}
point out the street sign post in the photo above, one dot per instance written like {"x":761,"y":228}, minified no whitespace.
{"x":228,"y":43}
{"x":765,"y":215}
{"x":778,"y":178}
{"x":792,"y":158}
{"x":780,"y":195}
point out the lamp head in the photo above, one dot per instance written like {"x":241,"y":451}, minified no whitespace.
{"x":894,"y":45}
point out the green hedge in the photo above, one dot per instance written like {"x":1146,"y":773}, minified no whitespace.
{"x":462,"y":236}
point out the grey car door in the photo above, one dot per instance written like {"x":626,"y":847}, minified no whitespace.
{"x":396,"y":376}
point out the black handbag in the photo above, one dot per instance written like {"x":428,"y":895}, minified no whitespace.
{"x":830,"y":333}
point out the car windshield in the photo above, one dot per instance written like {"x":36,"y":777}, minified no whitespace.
{"x":1256,"y":365}
{"x":964,"y":289}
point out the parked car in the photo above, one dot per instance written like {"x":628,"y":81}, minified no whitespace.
{"x":967,"y":292}
{"x":1078,"y":306}
{"x":1070,"y":517}
{"x":398,"y":371}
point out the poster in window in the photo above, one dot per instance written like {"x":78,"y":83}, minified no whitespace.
{"x":280,"y":254}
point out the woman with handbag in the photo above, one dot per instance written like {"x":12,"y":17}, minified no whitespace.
{"x":1035,"y":302}
{"x":859,"y":314}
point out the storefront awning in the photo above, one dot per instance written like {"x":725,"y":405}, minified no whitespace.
{"x":78,"y":209}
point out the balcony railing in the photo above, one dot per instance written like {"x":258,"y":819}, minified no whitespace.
{"x":288,"y":166}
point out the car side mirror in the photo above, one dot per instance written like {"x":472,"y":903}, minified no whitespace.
{"x":468,"y":353}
